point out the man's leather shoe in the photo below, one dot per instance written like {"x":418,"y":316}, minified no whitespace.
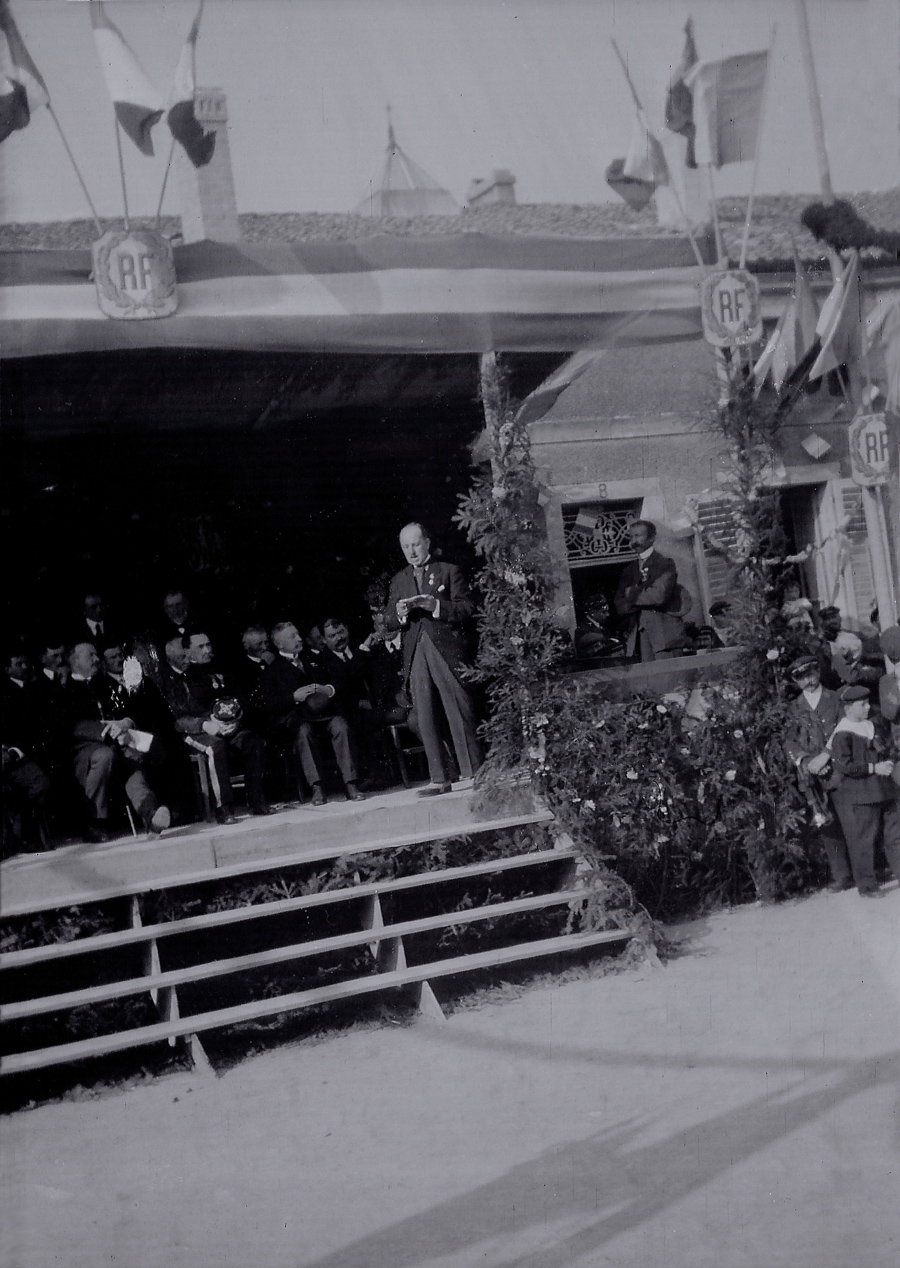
{"x":838,"y":887}
{"x":225,"y":815}
{"x":318,"y":796}
{"x":435,"y":790}
{"x":871,"y":892}
{"x":96,"y":833}
{"x":261,"y":808}
{"x":159,"y":820}
{"x":353,"y":793}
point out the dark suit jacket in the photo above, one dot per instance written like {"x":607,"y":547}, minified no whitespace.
{"x":446,"y":630}
{"x":809,"y":730}
{"x":652,"y":606}
{"x":386,"y":676}
{"x":852,"y":755}
{"x":275,"y":694}
{"x":347,"y":677}
{"x":190,"y":698}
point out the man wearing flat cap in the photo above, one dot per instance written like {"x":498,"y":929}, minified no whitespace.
{"x":812,"y":719}
{"x":866,"y":798}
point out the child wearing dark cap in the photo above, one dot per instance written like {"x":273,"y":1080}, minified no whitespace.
{"x":866,"y":798}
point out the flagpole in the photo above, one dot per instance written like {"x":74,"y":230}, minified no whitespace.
{"x":720,"y":242}
{"x":121,"y":170}
{"x":637,"y":101}
{"x":745,"y":242}
{"x":84,"y":187}
{"x":815,"y":102}
{"x":162,"y":192}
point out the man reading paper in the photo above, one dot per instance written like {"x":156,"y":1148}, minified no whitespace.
{"x":430,"y":602}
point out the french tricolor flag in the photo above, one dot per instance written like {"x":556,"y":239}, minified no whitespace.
{"x":137,"y":104}
{"x":181,"y":116}
{"x":22,"y":90}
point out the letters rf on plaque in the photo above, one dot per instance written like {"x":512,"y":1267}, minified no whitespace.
{"x":134,"y":273}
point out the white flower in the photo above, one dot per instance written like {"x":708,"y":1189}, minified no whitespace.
{"x":738,"y":735}
{"x":631,"y":774}
{"x":661,"y":708}
{"x":132,"y":673}
{"x":589,"y":804}
{"x":730,"y":776}
{"x":773,"y":653}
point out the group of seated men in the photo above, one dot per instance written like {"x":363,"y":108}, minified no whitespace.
{"x":97,"y":722}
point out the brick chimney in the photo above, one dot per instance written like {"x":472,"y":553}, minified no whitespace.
{"x":500,"y":187}
{"x":206,"y":194}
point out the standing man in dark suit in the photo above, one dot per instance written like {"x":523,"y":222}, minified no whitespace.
{"x":648,"y":597}
{"x":430,"y":602}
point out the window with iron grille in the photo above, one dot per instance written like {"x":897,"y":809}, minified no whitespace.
{"x":597,"y":532}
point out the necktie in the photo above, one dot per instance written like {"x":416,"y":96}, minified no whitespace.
{"x":420,"y":579}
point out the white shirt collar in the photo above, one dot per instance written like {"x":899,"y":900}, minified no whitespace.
{"x":813,"y":697}
{"x":394,"y":641}
{"x":17,"y":681}
{"x":80,"y":677}
{"x":645,"y":554}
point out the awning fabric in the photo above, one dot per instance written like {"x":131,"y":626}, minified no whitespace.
{"x":469,"y":293}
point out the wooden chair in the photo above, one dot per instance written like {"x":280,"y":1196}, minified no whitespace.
{"x":406,"y":745}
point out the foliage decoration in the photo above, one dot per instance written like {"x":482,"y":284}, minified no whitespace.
{"x":841,"y":226}
{"x":678,"y":803}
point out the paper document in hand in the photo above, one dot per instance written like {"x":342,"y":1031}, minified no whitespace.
{"x":140,"y":741}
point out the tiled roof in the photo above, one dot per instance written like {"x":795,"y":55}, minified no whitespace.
{"x":776,"y":220}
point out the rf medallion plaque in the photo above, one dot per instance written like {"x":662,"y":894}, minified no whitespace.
{"x":134,"y":273}
{"x":729,"y":305}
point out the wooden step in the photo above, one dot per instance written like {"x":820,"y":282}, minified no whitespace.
{"x":78,"y":874}
{"x":280,"y":955}
{"x":103,"y":1044}
{"x":258,"y":911}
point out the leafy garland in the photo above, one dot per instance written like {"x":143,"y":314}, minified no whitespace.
{"x":841,"y":226}
{"x":676,"y":803}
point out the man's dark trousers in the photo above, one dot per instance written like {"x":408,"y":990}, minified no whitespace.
{"x":433,"y":683}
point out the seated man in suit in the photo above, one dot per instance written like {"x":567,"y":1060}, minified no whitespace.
{"x":429,"y":601}
{"x":143,"y":701}
{"x":649,"y":598}
{"x":248,"y":668}
{"x":594,"y":635}
{"x":297,"y":702}
{"x":195,"y":691}
{"x":99,"y":730}
{"x":25,"y":784}
{"x":344,"y":668}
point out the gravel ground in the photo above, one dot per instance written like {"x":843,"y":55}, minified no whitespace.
{"x":734,"y":1109}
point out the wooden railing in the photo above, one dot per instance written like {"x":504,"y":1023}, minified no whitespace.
{"x":386,"y":943}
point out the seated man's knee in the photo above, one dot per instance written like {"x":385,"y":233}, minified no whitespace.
{"x":102,"y":758}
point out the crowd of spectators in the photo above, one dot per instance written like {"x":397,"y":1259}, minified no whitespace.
{"x":105,"y":729}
